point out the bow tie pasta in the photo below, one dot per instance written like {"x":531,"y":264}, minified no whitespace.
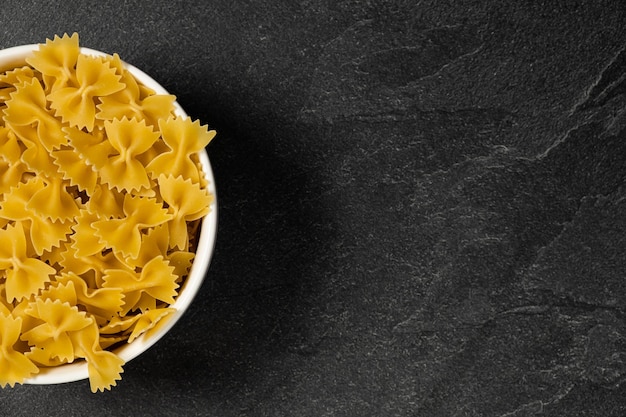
{"x":101,"y":197}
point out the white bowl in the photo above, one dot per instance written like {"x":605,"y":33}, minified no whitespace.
{"x":14,"y":57}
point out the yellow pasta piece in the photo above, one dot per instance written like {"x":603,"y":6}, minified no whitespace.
{"x":148,"y":320}
{"x":44,"y":356}
{"x":52,"y":200}
{"x":10,"y":148}
{"x":101,"y":302}
{"x":119,"y":325}
{"x":105,"y":368}
{"x":106,"y":202}
{"x":5,"y":94}
{"x":15,"y":367}
{"x":123,"y":235}
{"x":122,"y":170}
{"x":20,"y":309}
{"x":59,"y":320}
{"x":44,"y":234}
{"x":107,"y":342}
{"x":64,"y":292}
{"x":93,"y":149}
{"x":186,"y":202}
{"x":25,"y":276}
{"x":56,"y":60}
{"x":181,"y":261}
{"x":75,"y":104}
{"x":37,"y":158}
{"x":130,"y":103}
{"x":74,"y":171}
{"x":9,"y":81}
{"x":53,"y":256}
{"x":14,"y":205}
{"x":156,"y":281}
{"x":84,"y":241}
{"x":14,"y":77}
{"x":154,"y":242}
{"x":27,"y":115}
{"x":10,"y":173}
{"x":183,"y":138}
{"x":135,"y":325}
{"x":94,"y":264}
{"x":5,"y":306}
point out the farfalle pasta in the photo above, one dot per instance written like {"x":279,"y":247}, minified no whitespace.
{"x":101,"y":197}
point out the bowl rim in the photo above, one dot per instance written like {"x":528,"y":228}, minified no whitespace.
{"x":15,"y":56}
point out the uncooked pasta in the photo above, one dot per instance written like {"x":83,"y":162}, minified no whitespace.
{"x":101,"y":195}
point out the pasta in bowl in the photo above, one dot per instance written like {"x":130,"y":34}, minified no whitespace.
{"x":108,"y":214}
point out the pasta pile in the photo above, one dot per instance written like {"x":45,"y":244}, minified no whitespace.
{"x":101,"y":195}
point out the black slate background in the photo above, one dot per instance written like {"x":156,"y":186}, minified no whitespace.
{"x":422,"y":206}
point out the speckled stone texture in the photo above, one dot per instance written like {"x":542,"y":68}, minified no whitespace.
{"x":422,"y":207}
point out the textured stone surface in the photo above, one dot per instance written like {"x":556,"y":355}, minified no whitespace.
{"x":422,"y":207}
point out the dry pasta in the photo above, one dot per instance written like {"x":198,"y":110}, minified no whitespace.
{"x":101,"y":195}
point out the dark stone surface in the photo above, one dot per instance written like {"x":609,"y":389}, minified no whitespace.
{"x":422,"y":206}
